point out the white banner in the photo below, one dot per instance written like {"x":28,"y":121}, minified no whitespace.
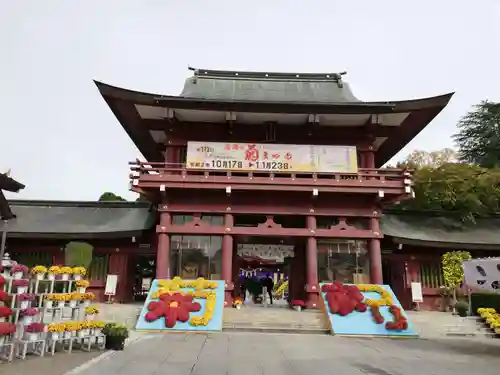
{"x":276,"y":253}
{"x":482,"y":274}
{"x":271,"y":157}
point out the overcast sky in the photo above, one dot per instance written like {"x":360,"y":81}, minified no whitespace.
{"x":59,"y":137}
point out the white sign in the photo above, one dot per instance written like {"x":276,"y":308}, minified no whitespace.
{"x":271,"y":157}
{"x":482,"y":274}
{"x":111,"y":283}
{"x":416,"y":292}
{"x":276,"y":253}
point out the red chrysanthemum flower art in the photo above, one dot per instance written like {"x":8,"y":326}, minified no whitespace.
{"x":174,"y":307}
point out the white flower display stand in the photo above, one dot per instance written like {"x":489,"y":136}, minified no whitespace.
{"x":20,"y":344}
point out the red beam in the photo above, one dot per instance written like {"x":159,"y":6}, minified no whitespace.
{"x":208,"y":230}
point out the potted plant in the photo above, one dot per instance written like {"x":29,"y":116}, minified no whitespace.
{"x":65,"y":272}
{"x":87,"y":297}
{"x":32,"y":331}
{"x":6,"y":329}
{"x":83,"y":329}
{"x":446,"y":294}
{"x":4,"y":296}
{"x":56,"y":330}
{"x":115,"y":336}
{"x":82,"y":285}
{"x":53,"y":271}
{"x":28,"y":314}
{"x":74,"y":298}
{"x":39,"y":272}
{"x":91,"y":312}
{"x":21,"y":285}
{"x":70,"y":329}
{"x":237,"y":303}
{"x":95,"y":327}
{"x":462,"y":308}
{"x":25,"y":299}
{"x":79,"y":272}
{"x":298,"y":305}
{"x":5,"y":313}
{"x":18,"y":271}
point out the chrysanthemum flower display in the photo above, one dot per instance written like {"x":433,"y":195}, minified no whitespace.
{"x":79,"y":271}
{"x":176,"y":305}
{"x":345,"y":299}
{"x":39,"y":269}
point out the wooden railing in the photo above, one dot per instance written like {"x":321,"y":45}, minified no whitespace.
{"x":140,"y":169}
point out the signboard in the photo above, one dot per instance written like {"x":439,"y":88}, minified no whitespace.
{"x":416,"y":292}
{"x":274,"y":253}
{"x":271,"y":157}
{"x":111,"y":282}
{"x":482,"y":274}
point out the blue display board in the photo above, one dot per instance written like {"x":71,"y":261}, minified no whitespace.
{"x":362,"y":323}
{"x":215,"y":324}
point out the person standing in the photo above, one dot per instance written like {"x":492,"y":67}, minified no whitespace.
{"x":244,"y":287}
{"x":268,"y":283}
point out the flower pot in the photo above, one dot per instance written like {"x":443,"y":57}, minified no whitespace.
{"x":72,"y":304}
{"x":115,"y":342}
{"x":49,"y":304}
{"x":64,"y":277}
{"x":81,"y":333}
{"x":2,"y":320}
{"x":27,"y":320}
{"x":81,"y":290}
{"x":297,"y":308}
{"x":30,"y":336}
{"x":51,"y":276}
{"x":77,"y":277}
{"x":17,"y":275}
{"x":238,"y":307}
{"x":67,"y":335}
{"x":39,"y":276}
{"x":60,"y":304}
{"x":21,"y":289}
{"x":24,"y":304}
{"x":2,"y":340}
{"x":92,"y":332}
{"x":54,"y":336}
{"x":90,"y":317}
{"x":85,"y":303}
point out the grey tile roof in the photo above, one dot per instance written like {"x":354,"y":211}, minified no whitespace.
{"x":441,"y":230}
{"x":272,"y":87}
{"x":47,"y":219}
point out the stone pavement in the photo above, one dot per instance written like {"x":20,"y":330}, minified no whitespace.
{"x":60,"y":363}
{"x":276,"y":354}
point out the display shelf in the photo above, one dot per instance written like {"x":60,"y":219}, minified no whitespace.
{"x":23,"y":347}
{"x":86,"y":343}
{"x":16,"y":346}
{"x":7,"y":351}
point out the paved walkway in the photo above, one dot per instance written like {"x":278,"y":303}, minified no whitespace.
{"x":274,"y":354}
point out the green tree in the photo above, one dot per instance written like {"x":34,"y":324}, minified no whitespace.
{"x":478,"y":137}
{"x":109,"y":196}
{"x":467,"y":190}
{"x":419,"y":158}
{"x":78,"y":254}
{"x":453,"y":272}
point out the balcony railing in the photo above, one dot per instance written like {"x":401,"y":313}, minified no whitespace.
{"x":390,"y":180}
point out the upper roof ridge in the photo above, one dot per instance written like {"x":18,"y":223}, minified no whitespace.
{"x":229,"y":74}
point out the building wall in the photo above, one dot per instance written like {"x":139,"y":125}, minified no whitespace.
{"x":112,"y":256}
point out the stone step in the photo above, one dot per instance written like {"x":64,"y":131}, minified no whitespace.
{"x":307,"y":331}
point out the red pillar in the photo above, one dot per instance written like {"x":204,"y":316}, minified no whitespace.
{"x":227,"y":260}
{"x":375,"y":254}
{"x":312,"y":286}
{"x":163,"y":251}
